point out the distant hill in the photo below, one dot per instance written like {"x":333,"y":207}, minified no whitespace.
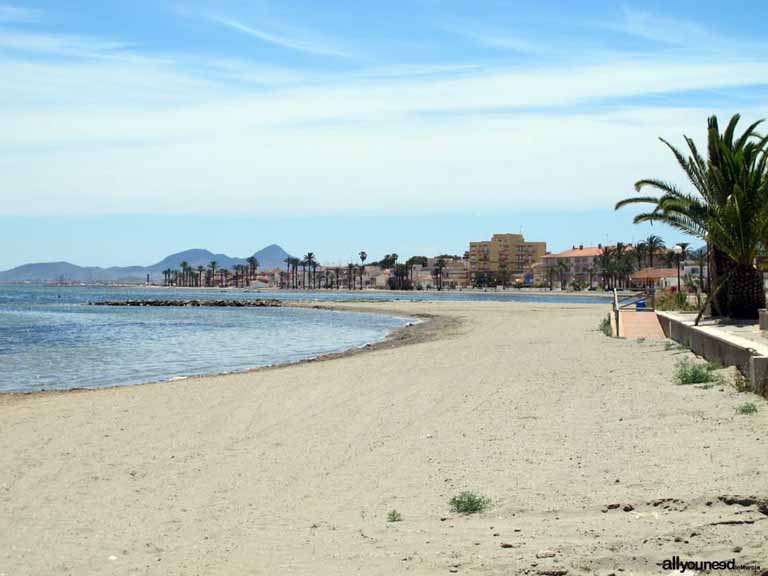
{"x":269,"y":257}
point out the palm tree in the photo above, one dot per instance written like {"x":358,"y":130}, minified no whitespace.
{"x":679,"y":255}
{"x":200,"y":270}
{"x":363,"y":257}
{"x":439,"y":267}
{"x":253,"y":266}
{"x":640,"y":253}
{"x":311,"y":263}
{"x":184,"y":272}
{"x":350,"y":276}
{"x":295,"y":263}
{"x":303,"y":264}
{"x":729,"y":210}
{"x":562,"y":271}
{"x":212,"y":265}
{"x":653,"y":244}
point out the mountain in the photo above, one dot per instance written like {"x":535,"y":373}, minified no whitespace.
{"x":269,"y":257}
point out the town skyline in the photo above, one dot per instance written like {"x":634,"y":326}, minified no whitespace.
{"x":334,"y":239}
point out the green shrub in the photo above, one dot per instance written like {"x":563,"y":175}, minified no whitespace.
{"x":605,"y":326}
{"x":469,"y":503}
{"x":394,"y":516}
{"x":696,"y":373}
{"x":674,"y":301}
{"x":747,"y":408}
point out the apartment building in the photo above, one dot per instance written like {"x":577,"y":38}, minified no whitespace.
{"x":582,"y":264}
{"x":505,"y":258}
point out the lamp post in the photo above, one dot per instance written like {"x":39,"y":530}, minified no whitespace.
{"x":678,"y":250}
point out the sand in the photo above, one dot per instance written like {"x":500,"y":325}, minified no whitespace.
{"x":293,"y":470}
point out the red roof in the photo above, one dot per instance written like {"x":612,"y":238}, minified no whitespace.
{"x":654,"y":273}
{"x":586,"y":252}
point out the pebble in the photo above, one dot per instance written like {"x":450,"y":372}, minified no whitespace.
{"x":545,"y":554}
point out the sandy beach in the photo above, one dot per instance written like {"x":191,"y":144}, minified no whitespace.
{"x":594,"y":460}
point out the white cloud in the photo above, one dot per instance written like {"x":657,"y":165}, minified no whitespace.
{"x":104,"y":130}
{"x":292,"y":43}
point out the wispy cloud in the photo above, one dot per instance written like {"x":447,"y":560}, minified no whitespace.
{"x":59,"y":44}
{"x":662,"y":29}
{"x":10,"y":13}
{"x":285,"y":41}
{"x":687,"y":35}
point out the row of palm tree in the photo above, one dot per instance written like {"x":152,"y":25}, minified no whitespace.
{"x":241,"y":275}
{"x":331,"y":277}
{"x":727,"y":209}
{"x":303,"y":273}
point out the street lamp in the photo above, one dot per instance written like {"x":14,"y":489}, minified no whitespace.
{"x":678,"y":250}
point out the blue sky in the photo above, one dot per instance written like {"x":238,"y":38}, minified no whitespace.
{"x":134,"y":129}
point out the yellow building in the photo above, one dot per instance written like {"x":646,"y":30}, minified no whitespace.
{"x":504,"y":258}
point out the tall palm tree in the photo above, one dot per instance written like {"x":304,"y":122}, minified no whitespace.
{"x":253,"y":266}
{"x":363,"y":257}
{"x":653,"y":244}
{"x":438,"y":273}
{"x":311,"y":264}
{"x":679,"y":256}
{"x":288,"y":263}
{"x":295,"y":262}
{"x":729,"y":210}
{"x":212,"y":265}
{"x":562,"y":272}
{"x":304,"y":263}
{"x":200,"y":270}
{"x":184,"y":272}
{"x":640,"y":253}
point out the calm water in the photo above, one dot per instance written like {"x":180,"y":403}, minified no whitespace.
{"x":51,"y":339}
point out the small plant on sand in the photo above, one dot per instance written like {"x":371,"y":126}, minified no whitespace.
{"x":696,"y":373}
{"x":747,"y":408}
{"x":394,"y":516}
{"x":605,"y":326}
{"x":741,"y":382}
{"x":469,"y":503}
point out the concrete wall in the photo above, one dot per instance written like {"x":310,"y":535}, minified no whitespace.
{"x":720,"y":349}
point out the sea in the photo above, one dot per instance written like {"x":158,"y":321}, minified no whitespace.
{"x":51,"y":338}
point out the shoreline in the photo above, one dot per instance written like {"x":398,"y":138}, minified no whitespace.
{"x":510,"y":291}
{"x":575,"y":438}
{"x":428,"y":327}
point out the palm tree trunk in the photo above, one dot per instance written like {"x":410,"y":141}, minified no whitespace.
{"x":745,"y":293}
{"x":720,"y":265}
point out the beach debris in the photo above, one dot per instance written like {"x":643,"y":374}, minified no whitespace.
{"x":552,"y":571}
{"x":628,"y":508}
{"x":227,"y":303}
{"x":545,"y":554}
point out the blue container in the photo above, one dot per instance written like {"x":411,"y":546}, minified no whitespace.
{"x":640,"y":305}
